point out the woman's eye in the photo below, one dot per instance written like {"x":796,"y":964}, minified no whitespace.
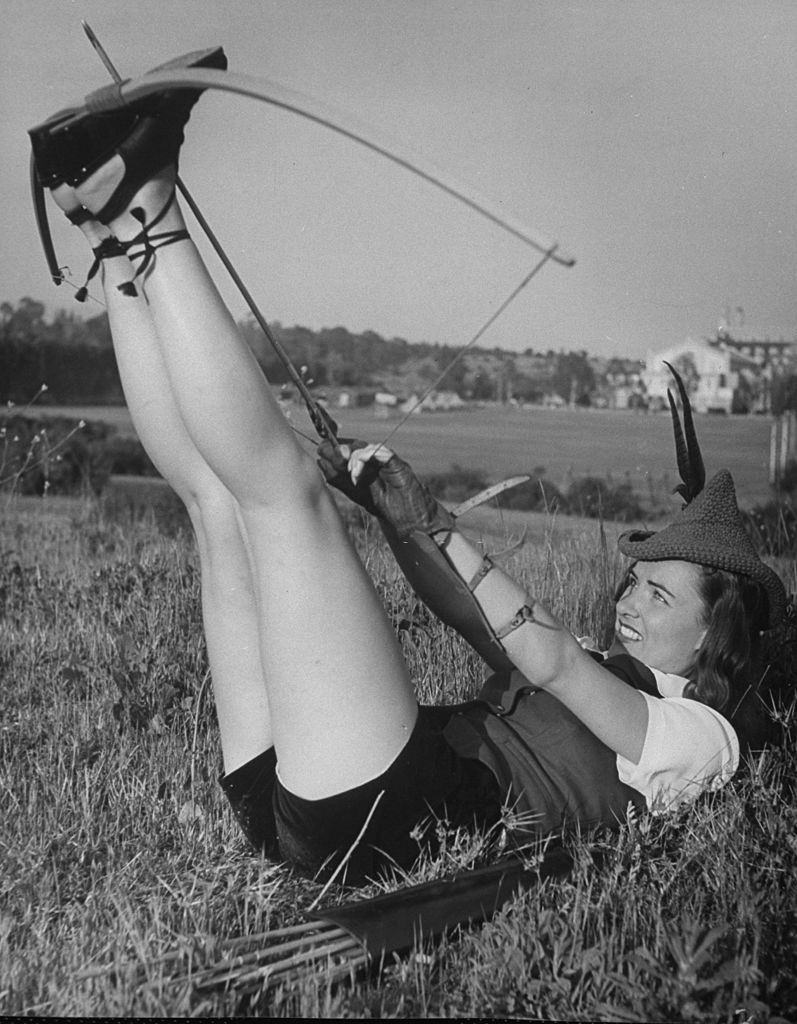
{"x":659,"y":596}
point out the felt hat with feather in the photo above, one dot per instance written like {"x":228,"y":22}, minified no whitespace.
{"x":710,"y":530}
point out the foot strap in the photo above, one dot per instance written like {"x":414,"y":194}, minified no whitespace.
{"x":111,"y":246}
{"x":108,"y":247}
{"x":149,"y":242}
{"x":79,"y":216}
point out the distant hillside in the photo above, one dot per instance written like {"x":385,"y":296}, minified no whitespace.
{"x":334,"y":357}
{"x":74,"y":357}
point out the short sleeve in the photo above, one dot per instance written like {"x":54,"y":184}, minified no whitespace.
{"x":689,"y":749}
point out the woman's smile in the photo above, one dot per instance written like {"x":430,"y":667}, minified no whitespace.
{"x":626,"y":632}
{"x":660,"y":616}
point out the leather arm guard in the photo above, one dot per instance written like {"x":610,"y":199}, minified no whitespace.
{"x":410,"y":519}
{"x":446,"y":594}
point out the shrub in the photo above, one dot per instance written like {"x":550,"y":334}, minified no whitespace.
{"x":60,"y":455}
{"x":457,"y":484}
{"x":536,"y":495}
{"x":588,"y":496}
{"x":596,"y":498}
{"x":127,"y":457}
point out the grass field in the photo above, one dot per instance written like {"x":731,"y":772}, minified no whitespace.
{"x":121,"y":866}
{"x":568,"y":443}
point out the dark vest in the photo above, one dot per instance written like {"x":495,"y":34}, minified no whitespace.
{"x":554,"y":769}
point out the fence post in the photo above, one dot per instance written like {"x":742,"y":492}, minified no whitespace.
{"x":782,"y":444}
{"x":774,"y":431}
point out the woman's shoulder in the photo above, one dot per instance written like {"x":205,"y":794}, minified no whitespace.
{"x":668,"y":683}
{"x":689,"y":748}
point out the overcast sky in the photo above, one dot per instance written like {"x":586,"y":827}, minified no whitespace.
{"x":654,"y":141}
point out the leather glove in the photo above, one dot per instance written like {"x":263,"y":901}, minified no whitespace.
{"x":387,"y":489}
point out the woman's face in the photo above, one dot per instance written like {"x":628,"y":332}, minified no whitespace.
{"x":660,"y":616}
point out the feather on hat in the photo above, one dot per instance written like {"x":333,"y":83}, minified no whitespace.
{"x":710,"y":530}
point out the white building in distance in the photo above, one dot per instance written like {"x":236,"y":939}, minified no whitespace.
{"x":721,"y":374}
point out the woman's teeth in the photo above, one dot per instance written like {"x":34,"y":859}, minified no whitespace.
{"x":627,"y":633}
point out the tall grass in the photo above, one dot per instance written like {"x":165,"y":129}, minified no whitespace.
{"x":119,"y":856}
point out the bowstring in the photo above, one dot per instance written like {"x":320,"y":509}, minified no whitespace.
{"x":310,"y":402}
{"x":481,"y":331}
{"x":64,"y":275}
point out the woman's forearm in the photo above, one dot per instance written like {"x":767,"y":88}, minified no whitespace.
{"x":501,"y":598}
{"x":550,"y":657}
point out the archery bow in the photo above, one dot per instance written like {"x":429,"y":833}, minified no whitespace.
{"x":122,"y":94}
{"x":125,"y":92}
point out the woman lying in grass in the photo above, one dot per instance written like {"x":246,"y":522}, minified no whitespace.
{"x":320,"y":728}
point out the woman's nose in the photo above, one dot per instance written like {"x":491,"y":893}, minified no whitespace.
{"x":627,"y":604}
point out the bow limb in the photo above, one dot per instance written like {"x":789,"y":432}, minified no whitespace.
{"x":40,"y":211}
{"x":127,"y":92}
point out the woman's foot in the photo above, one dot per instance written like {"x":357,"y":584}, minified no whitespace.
{"x":113,"y":155}
{"x":111,"y":188}
{"x":61,"y":142}
{"x":157,"y":194}
{"x":66,"y":199}
{"x":104,"y":244}
{"x":151,"y":221}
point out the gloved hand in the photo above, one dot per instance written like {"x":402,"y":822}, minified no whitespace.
{"x":377,"y":480}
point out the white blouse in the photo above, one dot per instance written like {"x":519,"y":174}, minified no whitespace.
{"x":689,"y":748}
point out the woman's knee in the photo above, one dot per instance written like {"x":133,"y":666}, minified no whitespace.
{"x":298,"y":498}
{"x":296,"y":484}
{"x":211,"y":509}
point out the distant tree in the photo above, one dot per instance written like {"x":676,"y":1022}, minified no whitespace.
{"x":483,"y":388}
{"x":573,"y":378}
{"x":744,"y":395}
{"x":97,"y":331}
{"x":784,"y":394}
{"x":619,"y":369}
{"x":526,"y":389}
{"x":25,"y":322}
{"x":23,"y":333}
{"x":506,"y":379}
{"x":455,"y":372}
{"x":72,"y":356}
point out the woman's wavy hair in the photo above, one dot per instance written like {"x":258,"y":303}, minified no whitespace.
{"x":727,"y":662}
{"x":728,"y":659}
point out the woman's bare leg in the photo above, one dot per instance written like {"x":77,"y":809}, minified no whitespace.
{"x":228,"y":601}
{"x":342,"y":705}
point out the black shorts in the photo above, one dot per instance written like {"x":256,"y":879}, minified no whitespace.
{"x":427,"y":781}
